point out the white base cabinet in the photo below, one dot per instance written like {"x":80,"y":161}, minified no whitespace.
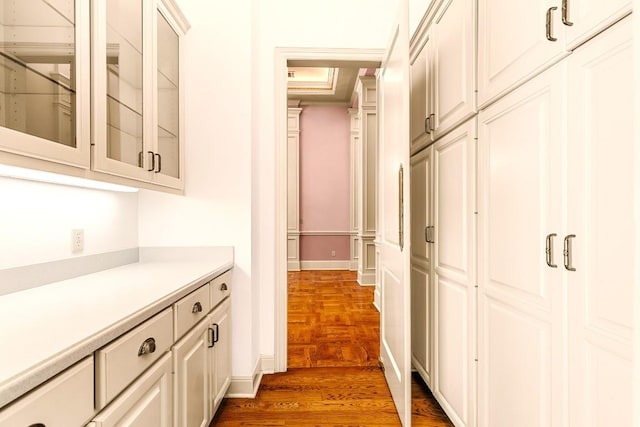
{"x":73,"y":388}
{"x":220,"y":354}
{"x":148,"y":402}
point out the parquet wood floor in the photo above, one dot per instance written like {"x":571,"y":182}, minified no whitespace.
{"x":333,"y":377}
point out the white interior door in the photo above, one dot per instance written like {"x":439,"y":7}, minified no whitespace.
{"x":394,"y":258}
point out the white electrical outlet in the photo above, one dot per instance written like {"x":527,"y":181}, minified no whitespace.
{"x":333,"y":253}
{"x":77,"y":240}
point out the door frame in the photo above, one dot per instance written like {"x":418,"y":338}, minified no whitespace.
{"x":283,"y":55}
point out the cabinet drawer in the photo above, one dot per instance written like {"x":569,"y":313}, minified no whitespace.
{"x":73,"y":389}
{"x":121,"y":361}
{"x":190,"y":310}
{"x":220,"y":288}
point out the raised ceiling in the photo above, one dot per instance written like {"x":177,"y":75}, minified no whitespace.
{"x":328,"y":83}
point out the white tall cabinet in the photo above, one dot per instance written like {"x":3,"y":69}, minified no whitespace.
{"x":556,"y":271}
{"x":599,"y":200}
{"x":547,"y":287}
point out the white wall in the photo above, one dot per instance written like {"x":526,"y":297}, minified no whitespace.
{"x":216,"y":208}
{"x":230,"y":143}
{"x":36,"y":220}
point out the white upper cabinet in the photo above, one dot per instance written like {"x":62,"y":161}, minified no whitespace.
{"x":516,"y":40}
{"x":443,"y":73}
{"x":137,"y":98}
{"x":585,"y":18}
{"x":420,"y":75}
{"x":454,"y":77}
{"x":44,"y":77}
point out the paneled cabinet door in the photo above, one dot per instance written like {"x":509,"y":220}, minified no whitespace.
{"x":191,"y":378}
{"x":520,"y":298}
{"x":148,"y":402}
{"x":220,"y":354}
{"x":44,"y":74}
{"x":586,"y":18}
{"x":600,"y":214}
{"x":454,"y":76}
{"x":454,"y":279}
{"x":421,"y":264}
{"x":420,"y":75}
{"x":513,"y":44}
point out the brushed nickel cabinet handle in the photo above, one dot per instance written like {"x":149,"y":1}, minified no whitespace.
{"x":427,"y":126}
{"x":147,"y":347}
{"x":565,"y":14}
{"x":432,"y":122}
{"x":223,"y":287}
{"x":401,"y":208}
{"x":549,"y":35}
{"x":568,"y":252}
{"x":549,"y":250}
{"x":216,"y":334}
{"x":197,"y":308}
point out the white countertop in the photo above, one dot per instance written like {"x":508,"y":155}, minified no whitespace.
{"x":46,"y":329}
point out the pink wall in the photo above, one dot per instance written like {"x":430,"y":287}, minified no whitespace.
{"x":324,"y":181}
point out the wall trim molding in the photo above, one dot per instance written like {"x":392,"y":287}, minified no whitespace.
{"x":366,"y":279}
{"x":325,"y":265}
{"x":247,"y":386}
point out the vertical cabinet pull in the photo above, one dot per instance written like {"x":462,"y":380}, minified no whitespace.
{"x":400,"y":208}
{"x":153,"y":162}
{"x":216,"y":333}
{"x":429,"y":234}
{"x":549,"y":250}
{"x":427,"y":127}
{"x":565,"y":14}
{"x":210,"y":333}
{"x":549,"y":35}
{"x":432,"y":122}
{"x":159,"y":163}
{"x":568,"y":252}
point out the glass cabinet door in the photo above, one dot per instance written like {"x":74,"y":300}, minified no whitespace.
{"x":168,"y":99}
{"x":124,"y":82}
{"x":119,"y":87}
{"x":44,"y":87}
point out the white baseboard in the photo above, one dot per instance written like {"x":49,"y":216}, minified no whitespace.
{"x":366,"y":279}
{"x":293,"y":265}
{"x":247,"y":386}
{"x":325,"y":265}
{"x":268,"y":364}
{"x":354,"y":265}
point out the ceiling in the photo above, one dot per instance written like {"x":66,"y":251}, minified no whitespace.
{"x":325,"y":83}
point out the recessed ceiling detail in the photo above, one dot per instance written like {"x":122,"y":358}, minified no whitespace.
{"x":312,"y":80}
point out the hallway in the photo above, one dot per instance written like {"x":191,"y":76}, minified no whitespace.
{"x":333,"y":378}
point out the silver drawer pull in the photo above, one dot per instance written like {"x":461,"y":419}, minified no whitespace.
{"x":147,"y":347}
{"x":223,"y":287}
{"x":197,"y":308}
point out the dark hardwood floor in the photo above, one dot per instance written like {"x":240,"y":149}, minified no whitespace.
{"x":333,"y":377}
